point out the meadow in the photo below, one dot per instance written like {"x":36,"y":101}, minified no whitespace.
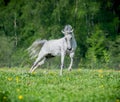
{"x":46,"y":85}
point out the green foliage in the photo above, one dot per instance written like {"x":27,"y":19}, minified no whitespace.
{"x":115,"y":52}
{"x":20,"y":58}
{"x":6,"y":49}
{"x":106,"y":56}
{"x":96,"y":42}
{"x":46,"y":85}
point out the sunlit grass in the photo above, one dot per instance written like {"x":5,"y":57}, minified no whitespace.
{"x":45,"y":85}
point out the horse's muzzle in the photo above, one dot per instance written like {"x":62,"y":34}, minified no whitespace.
{"x":69,"y":49}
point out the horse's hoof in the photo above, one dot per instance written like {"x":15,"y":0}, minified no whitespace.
{"x":69,"y":69}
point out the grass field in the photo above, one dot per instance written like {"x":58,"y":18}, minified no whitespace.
{"x":79,"y":85}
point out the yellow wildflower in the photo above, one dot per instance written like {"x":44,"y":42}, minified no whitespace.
{"x":100,"y":75}
{"x":117,"y":100}
{"x":4,"y":97}
{"x":100,"y":70}
{"x":17,"y":79}
{"x":33,"y":73}
{"x":9,"y":79}
{"x":79,"y":70}
{"x":101,"y":86}
{"x":68,"y":78}
{"x":51,"y":73}
{"x":20,"y":97}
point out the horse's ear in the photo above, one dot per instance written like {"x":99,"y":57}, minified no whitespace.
{"x":72,"y":30}
{"x":62,"y":31}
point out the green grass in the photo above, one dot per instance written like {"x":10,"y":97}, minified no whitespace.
{"x":79,"y":85}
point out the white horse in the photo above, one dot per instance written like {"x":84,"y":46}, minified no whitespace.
{"x":52,"y":48}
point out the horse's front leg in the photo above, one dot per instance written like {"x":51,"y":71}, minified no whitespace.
{"x":62,"y":62}
{"x":71,"y":62}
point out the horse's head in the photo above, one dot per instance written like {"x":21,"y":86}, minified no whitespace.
{"x":68,"y":39}
{"x":67,"y":30}
{"x":68,"y":33}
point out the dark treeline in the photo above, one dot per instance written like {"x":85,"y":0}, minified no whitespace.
{"x":96,"y":26}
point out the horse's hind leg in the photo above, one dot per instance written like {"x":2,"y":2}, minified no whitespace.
{"x":35,"y":65}
{"x":38,"y":64}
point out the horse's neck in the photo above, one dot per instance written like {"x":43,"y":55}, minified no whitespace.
{"x":62,"y":40}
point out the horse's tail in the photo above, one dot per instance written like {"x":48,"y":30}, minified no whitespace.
{"x":34,"y":49}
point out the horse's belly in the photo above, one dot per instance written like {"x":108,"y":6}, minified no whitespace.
{"x":55,"y":53}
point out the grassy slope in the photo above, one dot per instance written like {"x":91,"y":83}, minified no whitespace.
{"x":80,"y":85}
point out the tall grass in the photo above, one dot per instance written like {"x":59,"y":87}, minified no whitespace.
{"x":79,"y":85}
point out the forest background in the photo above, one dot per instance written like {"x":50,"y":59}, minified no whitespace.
{"x":96,"y":25}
